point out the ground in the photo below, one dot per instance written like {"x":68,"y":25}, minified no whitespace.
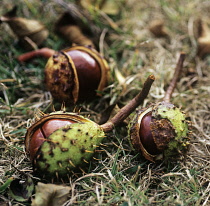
{"x":121,"y":176}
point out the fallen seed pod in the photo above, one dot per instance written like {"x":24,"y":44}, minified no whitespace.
{"x":161,"y":131}
{"x":76,"y":74}
{"x":72,"y":28}
{"x":31,"y":33}
{"x":60,"y":143}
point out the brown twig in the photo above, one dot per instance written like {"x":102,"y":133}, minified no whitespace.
{"x":173,"y":82}
{"x":130,"y":107}
{"x":43,"y":52}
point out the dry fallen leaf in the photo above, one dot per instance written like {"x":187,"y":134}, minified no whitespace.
{"x":203,"y":40}
{"x":75,"y":26}
{"x":158,"y":29}
{"x":50,"y":195}
{"x":31,"y":33}
{"x":21,"y":190}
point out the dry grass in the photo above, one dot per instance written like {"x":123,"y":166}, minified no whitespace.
{"x":121,"y":177}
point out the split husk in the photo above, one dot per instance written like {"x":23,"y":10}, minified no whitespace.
{"x":68,"y":77}
{"x":161,"y":131}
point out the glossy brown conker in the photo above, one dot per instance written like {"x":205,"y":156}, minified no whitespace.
{"x":42,"y":131}
{"x":146,"y":136}
{"x":160,"y":131}
{"x":60,"y":143}
{"x":76,"y":74}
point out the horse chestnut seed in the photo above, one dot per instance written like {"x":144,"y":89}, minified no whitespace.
{"x":76,"y":74}
{"x":60,"y":143}
{"x":160,"y":131}
{"x":145,"y":134}
{"x":44,"y":130}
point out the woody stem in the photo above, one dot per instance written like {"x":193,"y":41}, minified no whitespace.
{"x":43,"y":52}
{"x":175,"y":78}
{"x":130,"y":107}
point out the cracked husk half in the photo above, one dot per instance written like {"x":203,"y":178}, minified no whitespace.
{"x":76,"y":74}
{"x":160,"y":132}
{"x":59,"y":153}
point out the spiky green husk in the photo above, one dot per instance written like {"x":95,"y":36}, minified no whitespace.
{"x":179,"y":144}
{"x":169,"y":129}
{"x":67,"y":149}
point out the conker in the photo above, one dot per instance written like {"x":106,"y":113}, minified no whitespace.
{"x":76,"y":74}
{"x":161,"y":131}
{"x":60,"y":143}
{"x":146,"y":136}
{"x":45,"y":129}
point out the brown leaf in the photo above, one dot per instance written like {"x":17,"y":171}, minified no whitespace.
{"x":50,"y":195}
{"x":158,"y":29}
{"x":203,"y":40}
{"x":75,"y":26}
{"x":21,"y":190}
{"x":31,"y":33}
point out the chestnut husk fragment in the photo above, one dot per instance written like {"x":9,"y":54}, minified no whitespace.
{"x":76,"y":74}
